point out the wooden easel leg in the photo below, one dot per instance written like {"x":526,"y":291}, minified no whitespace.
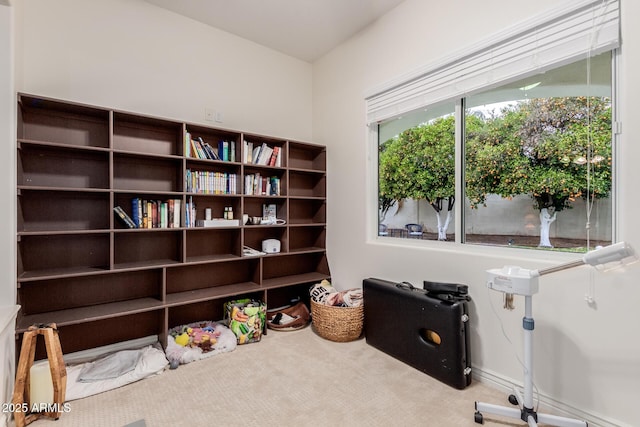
{"x":58,"y":370}
{"x":20,"y":398}
{"x":21,"y":393}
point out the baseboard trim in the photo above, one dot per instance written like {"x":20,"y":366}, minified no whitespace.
{"x":546,"y":403}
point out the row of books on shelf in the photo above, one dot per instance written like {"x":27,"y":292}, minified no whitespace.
{"x":209,"y":182}
{"x":164,"y":214}
{"x":190,"y":213}
{"x":262,"y":154}
{"x":257,"y":185}
{"x":151,"y":213}
{"x":199,"y":149}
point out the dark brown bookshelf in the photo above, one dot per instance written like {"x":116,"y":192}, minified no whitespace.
{"x":102,"y":282}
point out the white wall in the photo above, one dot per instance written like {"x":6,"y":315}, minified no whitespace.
{"x":134,"y":56}
{"x":7,"y":215}
{"x":587,"y":356}
{"x":7,"y":159}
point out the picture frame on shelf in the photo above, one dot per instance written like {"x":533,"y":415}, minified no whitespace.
{"x":269,"y":211}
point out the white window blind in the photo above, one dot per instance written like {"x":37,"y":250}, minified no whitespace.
{"x":576,"y":30}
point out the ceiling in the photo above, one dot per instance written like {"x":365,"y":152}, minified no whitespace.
{"x":304,"y":29}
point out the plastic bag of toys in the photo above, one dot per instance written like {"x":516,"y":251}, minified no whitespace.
{"x":246,"y":319}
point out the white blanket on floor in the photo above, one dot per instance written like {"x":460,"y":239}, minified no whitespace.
{"x":150,"y":361}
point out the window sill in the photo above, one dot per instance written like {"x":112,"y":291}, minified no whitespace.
{"x":508,"y":255}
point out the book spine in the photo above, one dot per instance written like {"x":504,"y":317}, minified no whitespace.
{"x":250,"y":152}
{"x":193,"y":212}
{"x":164,"y":215}
{"x":176,"y":213}
{"x":187,"y":144}
{"x":211,"y":151}
{"x":134,"y":212}
{"x":194,"y":148}
{"x":145,"y":213}
{"x":274,"y":155}
{"x":126,"y":219}
{"x":154,"y":214}
{"x":256,"y":154}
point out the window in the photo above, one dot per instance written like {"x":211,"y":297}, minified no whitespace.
{"x":538,"y":158}
{"x":416,"y":186}
{"x":530,"y":125}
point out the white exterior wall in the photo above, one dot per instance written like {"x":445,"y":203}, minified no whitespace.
{"x":502,"y":216}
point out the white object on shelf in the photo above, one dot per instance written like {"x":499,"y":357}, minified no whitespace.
{"x":217,"y":222}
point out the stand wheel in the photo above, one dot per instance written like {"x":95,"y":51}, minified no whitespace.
{"x":513,"y":399}
{"x":477,"y":417}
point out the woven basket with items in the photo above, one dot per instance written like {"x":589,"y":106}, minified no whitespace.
{"x":336,"y":316}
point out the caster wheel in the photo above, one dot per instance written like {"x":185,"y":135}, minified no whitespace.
{"x":477,"y":417}
{"x":512,"y":399}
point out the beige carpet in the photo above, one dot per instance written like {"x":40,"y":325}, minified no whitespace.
{"x":287,"y":379}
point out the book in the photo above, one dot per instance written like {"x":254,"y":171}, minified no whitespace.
{"x":164,"y":215}
{"x":124,"y":217}
{"x":135,"y":211}
{"x":250,"y":152}
{"x":194,"y":149}
{"x":176,"y":213}
{"x":145,"y":213}
{"x":211,"y":151}
{"x":265,"y":155}
{"x":223,"y":150}
{"x":255,"y":154}
{"x":203,"y":150}
{"x":190,"y":213}
{"x":153,"y":208}
{"x":274,"y":186}
{"x":187,"y":144}
{"x":274,"y":156}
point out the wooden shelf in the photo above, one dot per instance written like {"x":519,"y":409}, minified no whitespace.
{"x":205,"y":294}
{"x":43,"y":274}
{"x":60,"y":122}
{"x":206,"y":259}
{"x":307,"y":157}
{"x":55,"y":167}
{"x":62,"y":146}
{"x":146,"y":264}
{"x":294,"y":279}
{"x":81,"y":266}
{"x":89,"y":314}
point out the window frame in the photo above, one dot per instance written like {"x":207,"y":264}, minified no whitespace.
{"x":459,"y":209}
{"x":393,"y":94}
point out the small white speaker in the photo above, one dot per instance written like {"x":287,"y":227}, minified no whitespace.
{"x":271,"y":246}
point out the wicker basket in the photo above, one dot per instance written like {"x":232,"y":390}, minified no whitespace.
{"x":339,"y":324}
